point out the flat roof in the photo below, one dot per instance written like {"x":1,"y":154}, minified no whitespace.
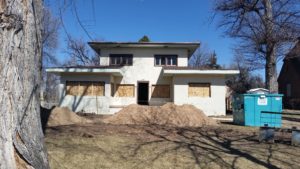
{"x":86,"y":69}
{"x":195,"y":71}
{"x":191,"y":46}
{"x":116,"y":70}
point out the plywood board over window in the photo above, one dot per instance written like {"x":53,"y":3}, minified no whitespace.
{"x":72,"y":88}
{"x":85,"y":88}
{"x":124,"y":90}
{"x":98,"y":89}
{"x":160,"y":91}
{"x":199,"y":90}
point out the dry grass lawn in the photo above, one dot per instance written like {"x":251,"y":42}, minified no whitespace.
{"x":128,"y":147}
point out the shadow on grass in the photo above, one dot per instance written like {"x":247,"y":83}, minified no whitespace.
{"x":209,"y":146}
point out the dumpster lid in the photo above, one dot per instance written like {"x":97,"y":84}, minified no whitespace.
{"x":258,"y":91}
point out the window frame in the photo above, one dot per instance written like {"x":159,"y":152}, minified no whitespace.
{"x":173,"y":58}
{"x":120,"y":58}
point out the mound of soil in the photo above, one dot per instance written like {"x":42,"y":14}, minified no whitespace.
{"x":168,"y":114}
{"x":64,"y":116}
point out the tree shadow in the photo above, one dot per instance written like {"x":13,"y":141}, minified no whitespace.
{"x":213,"y":146}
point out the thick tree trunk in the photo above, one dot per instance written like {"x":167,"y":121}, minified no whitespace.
{"x":21,"y":137}
{"x":270,"y":70}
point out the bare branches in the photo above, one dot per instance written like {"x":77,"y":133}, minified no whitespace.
{"x":246,"y":79}
{"x":79,"y":21}
{"x":265,"y":30}
{"x":80,"y":53}
{"x":247,"y":20}
{"x":49,"y":37}
{"x":201,"y":57}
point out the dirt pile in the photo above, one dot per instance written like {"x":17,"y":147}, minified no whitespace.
{"x":64,"y":116}
{"x":168,"y":114}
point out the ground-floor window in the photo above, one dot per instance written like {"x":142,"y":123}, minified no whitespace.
{"x":85,"y":88}
{"x":199,"y":90}
{"x":123,"y":90}
{"x":160,"y":91}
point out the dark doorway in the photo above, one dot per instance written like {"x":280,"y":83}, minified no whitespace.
{"x":143,"y":92}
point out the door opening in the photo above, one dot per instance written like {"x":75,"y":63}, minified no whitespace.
{"x":143,"y":93}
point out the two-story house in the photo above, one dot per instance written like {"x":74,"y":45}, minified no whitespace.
{"x":142,"y":73}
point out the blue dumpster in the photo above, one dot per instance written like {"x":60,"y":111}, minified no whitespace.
{"x":258,"y":110}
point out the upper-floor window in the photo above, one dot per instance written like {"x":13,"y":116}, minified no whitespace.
{"x":165,"y":60}
{"x":120,"y":59}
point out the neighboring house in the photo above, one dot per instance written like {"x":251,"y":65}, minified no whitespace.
{"x":145,"y":73}
{"x":289,"y":78}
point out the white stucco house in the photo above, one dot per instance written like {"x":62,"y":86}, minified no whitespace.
{"x":141,"y":73}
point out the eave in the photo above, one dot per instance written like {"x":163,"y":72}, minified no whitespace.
{"x":112,"y":71}
{"x":172,"y":72}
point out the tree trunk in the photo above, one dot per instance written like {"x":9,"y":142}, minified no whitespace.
{"x":21,"y":137}
{"x":270,"y":71}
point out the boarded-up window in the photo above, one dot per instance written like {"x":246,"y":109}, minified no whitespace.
{"x":199,"y":90}
{"x":85,"y":88}
{"x":124,"y":90}
{"x":160,"y":91}
{"x":98,"y":89}
{"x":72,"y":88}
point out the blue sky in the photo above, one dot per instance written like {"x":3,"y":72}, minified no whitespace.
{"x":161,"y":20}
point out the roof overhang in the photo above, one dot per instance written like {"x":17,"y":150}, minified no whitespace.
{"x":111,"y":71}
{"x":172,"y":72}
{"x":190,"y":46}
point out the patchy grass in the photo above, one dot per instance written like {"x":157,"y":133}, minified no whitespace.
{"x":158,"y":147}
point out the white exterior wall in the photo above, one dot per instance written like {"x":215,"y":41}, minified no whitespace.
{"x":89,"y":104}
{"x":143,"y":69}
{"x":211,"y":106}
{"x":144,"y":53}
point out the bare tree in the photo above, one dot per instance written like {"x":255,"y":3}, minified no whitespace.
{"x":245,"y":80}
{"x":21,"y":136}
{"x":80,"y":53}
{"x":51,"y":26}
{"x":213,"y":62}
{"x":204,"y":58}
{"x":264,"y":28}
{"x":201,"y":57}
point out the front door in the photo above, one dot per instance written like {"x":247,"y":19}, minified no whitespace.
{"x":143,"y":93}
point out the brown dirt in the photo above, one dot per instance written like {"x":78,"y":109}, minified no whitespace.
{"x":64,"y":116}
{"x":168,"y":114}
